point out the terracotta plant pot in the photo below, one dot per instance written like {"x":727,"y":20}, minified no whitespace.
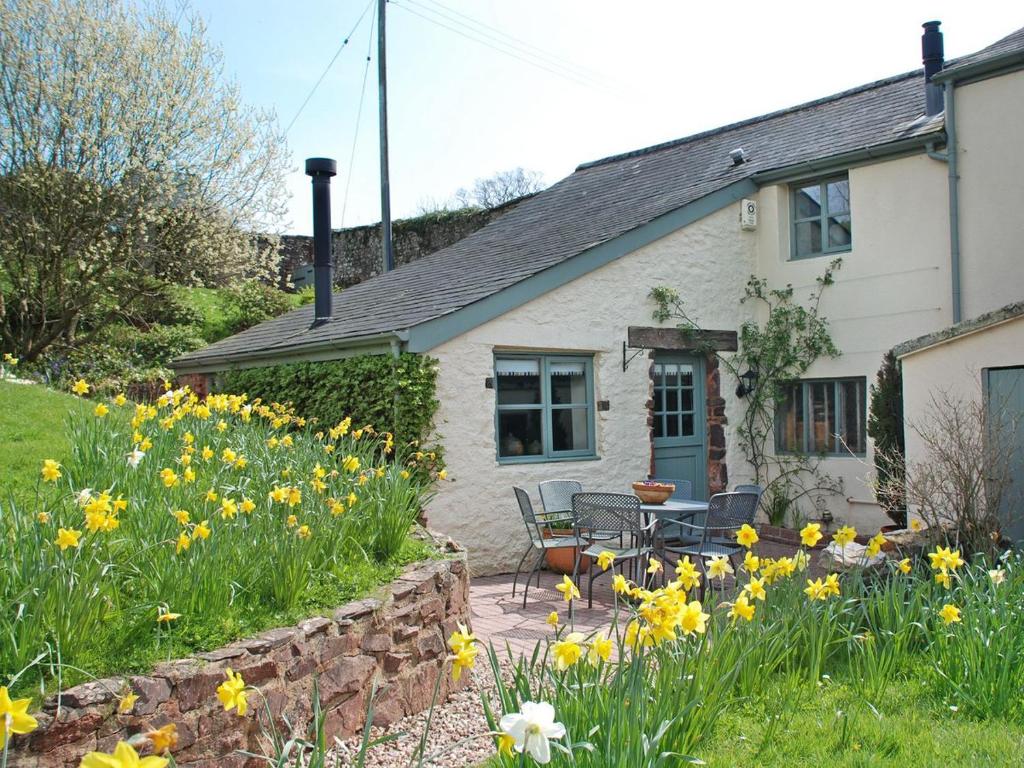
{"x":562,"y":559}
{"x":653,"y":493}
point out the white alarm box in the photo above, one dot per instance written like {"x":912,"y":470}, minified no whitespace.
{"x":748,"y":214}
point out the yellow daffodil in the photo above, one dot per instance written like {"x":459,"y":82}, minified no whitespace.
{"x":404,"y":474}
{"x":43,"y":517}
{"x":810,"y":534}
{"x":605,"y":560}
{"x":304,"y":532}
{"x":181,"y":516}
{"x":654,"y":565}
{"x":189,"y":475}
{"x":746,"y":536}
{"x":14,"y":717}
{"x":163,"y":739}
{"x":100,"y":410}
{"x":719,"y":567}
{"x":904,"y":565}
{"x":800,"y":560}
{"x":943,"y":578}
{"x":80,"y":387}
{"x":228,"y":508}
{"x":831,"y":585}
{"x":67,"y":538}
{"x":222,"y":426}
{"x":211,"y":495}
{"x":567,"y":651}
{"x":755,"y":588}
{"x":945,"y":558}
{"x":687,"y":574}
{"x":294,"y":496}
{"x":127,"y":703}
{"x":50,"y":471}
{"x":278,"y":494}
{"x":442,"y":475}
{"x":291,"y":521}
{"x":950,"y":614}
{"x":183,"y":543}
{"x":875,"y":544}
{"x":844,"y":535}
{"x":742,"y":609}
{"x":815,"y":590}
{"x":599,"y":649}
{"x":248,"y":505}
{"x":206,"y":453}
{"x":619,"y":584}
{"x":352,"y":499}
{"x":232,"y":693}
{"x":505,"y":744}
{"x":201,"y":531}
{"x":120,"y":400}
{"x":552,"y":619}
{"x":693,"y":619}
{"x":169,"y":477}
{"x":751,"y":563}
{"x":569,"y":590}
{"x":464,"y":658}
{"x":916,"y":525}
{"x":166,"y":617}
{"x":228,"y":456}
{"x":123,"y":756}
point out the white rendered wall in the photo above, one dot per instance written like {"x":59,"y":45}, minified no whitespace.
{"x":708,"y":262}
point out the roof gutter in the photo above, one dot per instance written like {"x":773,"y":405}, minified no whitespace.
{"x":979,"y":70}
{"x":391,"y":342}
{"x":847,"y":159}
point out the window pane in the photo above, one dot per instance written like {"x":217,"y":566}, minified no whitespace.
{"x":659,"y":425}
{"x":789,"y":421}
{"x":687,"y":399}
{"x":808,"y":202}
{"x":688,"y":425}
{"x":672,"y":400}
{"x":671,"y":376}
{"x":659,"y":401}
{"x":853,"y":415}
{"x":822,"y":401}
{"x":686,"y":375}
{"x":569,"y":429}
{"x":808,"y":238}
{"x":568,"y":383}
{"x":519,"y":433}
{"x":518,"y":382}
{"x":838,"y":197}
{"x":672,"y":425}
{"x":839,"y":234}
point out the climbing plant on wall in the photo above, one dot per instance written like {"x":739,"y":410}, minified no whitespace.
{"x":779,"y":345}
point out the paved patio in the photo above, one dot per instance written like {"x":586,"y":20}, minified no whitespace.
{"x":499,"y":618}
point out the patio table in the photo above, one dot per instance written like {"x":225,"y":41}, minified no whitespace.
{"x":673,"y":510}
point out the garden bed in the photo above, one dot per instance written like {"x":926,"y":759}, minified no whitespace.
{"x":394,"y":643}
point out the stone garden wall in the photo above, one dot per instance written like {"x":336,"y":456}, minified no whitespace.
{"x":396,"y":641}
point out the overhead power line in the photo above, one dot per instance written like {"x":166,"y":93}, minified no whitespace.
{"x":512,"y":40}
{"x":355,"y":134}
{"x":508,"y":49}
{"x":330,"y":64}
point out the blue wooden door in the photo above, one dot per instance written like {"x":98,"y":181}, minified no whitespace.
{"x":1004,"y":392}
{"x":680,"y":436}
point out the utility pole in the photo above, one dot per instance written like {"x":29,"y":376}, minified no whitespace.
{"x":385,"y":181}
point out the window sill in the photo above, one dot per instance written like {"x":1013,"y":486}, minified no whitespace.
{"x":843,"y":455}
{"x":511,"y":462}
{"x":820,"y":254}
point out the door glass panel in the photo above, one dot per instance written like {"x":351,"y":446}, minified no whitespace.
{"x":518,"y":382}
{"x":672,"y":400}
{"x":853,"y":415}
{"x":823,"y":417}
{"x":672,"y":425}
{"x":685,"y":376}
{"x":569,"y":429}
{"x":659,"y":425}
{"x":568,"y":383}
{"x":687,"y":400}
{"x":519,"y":433}
{"x":688,"y":424}
{"x":671,"y":380}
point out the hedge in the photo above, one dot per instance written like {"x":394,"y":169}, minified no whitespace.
{"x":393,"y":394}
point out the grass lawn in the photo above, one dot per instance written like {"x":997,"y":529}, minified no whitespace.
{"x":832,"y":725}
{"x":31,"y":429}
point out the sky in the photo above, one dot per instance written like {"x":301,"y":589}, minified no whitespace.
{"x":481,"y":86}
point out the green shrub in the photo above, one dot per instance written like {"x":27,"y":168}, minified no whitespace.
{"x":252,"y":303}
{"x":885,"y":427}
{"x":393,"y":394}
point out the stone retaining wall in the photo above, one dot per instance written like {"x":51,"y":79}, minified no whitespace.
{"x":396,"y":641}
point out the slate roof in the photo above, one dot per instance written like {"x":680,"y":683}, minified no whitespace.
{"x":963,"y":328}
{"x":1012,"y":44}
{"x":598,"y":202}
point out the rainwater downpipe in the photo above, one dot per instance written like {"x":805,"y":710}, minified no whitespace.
{"x":950,"y":158}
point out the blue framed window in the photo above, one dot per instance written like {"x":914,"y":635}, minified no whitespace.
{"x":822,"y":416}
{"x":545,"y":407}
{"x":821,"y":221}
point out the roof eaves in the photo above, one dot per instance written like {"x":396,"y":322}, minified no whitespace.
{"x":965,"y":328}
{"x":1003,"y":63}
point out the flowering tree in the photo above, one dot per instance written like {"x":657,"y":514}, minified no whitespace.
{"x":122,"y":153}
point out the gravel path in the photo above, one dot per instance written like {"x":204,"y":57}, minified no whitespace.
{"x":454,"y":721}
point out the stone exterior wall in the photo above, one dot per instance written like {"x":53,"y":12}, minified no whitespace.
{"x":396,"y":641}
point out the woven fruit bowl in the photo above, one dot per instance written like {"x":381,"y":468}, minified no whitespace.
{"x":652,"y":492}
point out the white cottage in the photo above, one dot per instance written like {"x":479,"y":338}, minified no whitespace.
{"x":550,"y":365}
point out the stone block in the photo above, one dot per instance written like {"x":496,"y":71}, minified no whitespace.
{"x":357,"y":609}
{"x":347,"y":675}
{"x":152,"y":692}
{"x":316,"y":626}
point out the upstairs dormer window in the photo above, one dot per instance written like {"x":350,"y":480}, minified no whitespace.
{"x":821,"y":217}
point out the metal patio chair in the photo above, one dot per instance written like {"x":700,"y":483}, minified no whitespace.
{"x":727,"y":513}
{"x":556,"y":498}
{"x":540,"y":543}
{"x":611,"y":522}
{"x":683,"y":491}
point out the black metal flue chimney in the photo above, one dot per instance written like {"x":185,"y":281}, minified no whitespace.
{"x":321,"y":169}
{"x":934,"y":58}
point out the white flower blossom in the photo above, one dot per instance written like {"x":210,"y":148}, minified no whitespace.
{"x":135,"y":458}
{"x":532,"y":728}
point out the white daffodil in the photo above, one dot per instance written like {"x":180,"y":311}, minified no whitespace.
{"x":84,"y":497}
{"x":532,"y":728}
{"x":998,"y":576}
{"x":135,"y":457}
